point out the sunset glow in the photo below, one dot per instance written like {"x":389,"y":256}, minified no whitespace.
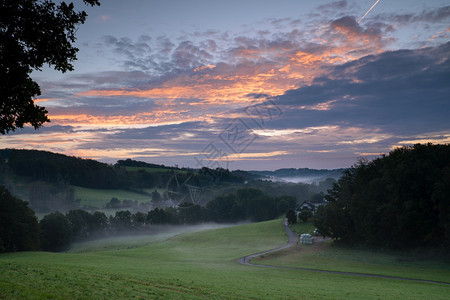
{"x":307,"y":85}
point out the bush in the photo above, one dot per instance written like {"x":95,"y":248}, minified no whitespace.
{"x":19,"y":227}
{"x":291,"y":216}
{"x":56,"y":232}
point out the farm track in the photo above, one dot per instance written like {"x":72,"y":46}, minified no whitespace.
{"x":246,"y":260}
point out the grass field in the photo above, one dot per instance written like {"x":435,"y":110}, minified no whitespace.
{"x":198,"y":265}
{"x":99,"y":197}
{"x":325,"y":256}
{"x":302,"y":227}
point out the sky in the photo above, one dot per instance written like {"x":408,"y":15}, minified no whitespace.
{"x":249,"y":84}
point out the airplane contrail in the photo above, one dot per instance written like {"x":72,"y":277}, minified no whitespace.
{"x":368,"y":11}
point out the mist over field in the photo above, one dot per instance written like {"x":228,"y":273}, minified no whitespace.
{"x":131,"y":239}
{"x":224,"y":149}
{"x":299,"y":179}
{"x":302,"y":175}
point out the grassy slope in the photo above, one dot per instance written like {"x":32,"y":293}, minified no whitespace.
{"x":90,"y":197}
{"x":198,"y":265}
{"x":325,"y":256}
{"x":99,"y":197}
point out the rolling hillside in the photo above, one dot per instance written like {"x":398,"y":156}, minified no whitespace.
{"x":198,"y":265}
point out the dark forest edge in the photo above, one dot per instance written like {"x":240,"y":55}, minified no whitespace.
{"x":21,"y":231}
{"x":399,"y":201}
{"x":49,"y":182}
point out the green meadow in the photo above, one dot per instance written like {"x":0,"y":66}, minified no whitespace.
{"x":324,"y":255}
{"x":194,"y":265}
{"x":99,"y":197}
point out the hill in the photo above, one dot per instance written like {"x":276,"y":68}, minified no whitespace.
{"x":199,"y":265}
{"x":51,"y":181}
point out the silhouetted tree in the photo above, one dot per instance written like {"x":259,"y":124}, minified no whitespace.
{"x":56,"y":233}
{"x":100,"y":222}
{"x":33,"y":33}
{"x":19,"y":228}
{"x":81,"y":222}
{"x":291,"y":216}
{"x":138,"y":220}
{"x":397,"y":201}
{"x":122,"y":220}
{"x":285,"y":202}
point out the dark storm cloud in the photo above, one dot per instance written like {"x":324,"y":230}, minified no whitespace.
{"x":257,"y":96}
{"x":429,"y":16}
{"x":163,"y":131}
{"x":113,"y":106}
{"x":188,"y":56}
{"x":44,"y":129}
{"x":333,"y":6}
{"x":402,"y":92}
{"x":192,"y":136}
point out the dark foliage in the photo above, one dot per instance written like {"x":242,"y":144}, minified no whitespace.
{"x":52,"y":167}
{"x":189,"y":213}
{"x":122,"y":220}
{"x":247,"y":204}
{"x":139,"y":164}
{"x":220,"y":175}
{"x":63,"y":170}
{"x":33,"y":33}
{"x":304,"y":215}
{"x":19,"y":228}
{"x":291,"y":216}
{"x":56,"y":232}
{"x":396,"y":201}
{"x":84,"y":225}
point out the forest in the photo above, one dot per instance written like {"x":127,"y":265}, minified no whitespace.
{"x":397,"y":201}
{"x":20,"y":229}
{"x":49,"y":182}
{"x":400,"y":200}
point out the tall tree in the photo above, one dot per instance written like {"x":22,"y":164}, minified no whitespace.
{"x":19,"y":227}
{"x":291,"y":216}
{"x":396,"y":201}
{"x":33,"y":33}
{"x":56,"y":232}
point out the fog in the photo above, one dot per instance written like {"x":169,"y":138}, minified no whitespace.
{"x":131,"y":239}
{"x":299,"y":179}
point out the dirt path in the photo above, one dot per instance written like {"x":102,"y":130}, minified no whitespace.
{"x":246,"y":260}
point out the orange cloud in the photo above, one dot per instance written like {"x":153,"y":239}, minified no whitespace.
{"x":271,"y":69}
{"x":210,"y":67}
{"x":42,"y":100}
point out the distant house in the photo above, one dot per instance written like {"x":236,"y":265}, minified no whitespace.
{"x":308,"y":205}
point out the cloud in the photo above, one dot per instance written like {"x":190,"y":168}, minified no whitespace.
{"x":435,"y":15}
{"x":257,"y":96}
{"x":400,"y":92}
{"x":333,"y":6}
{"x":46,"y":129}
{"x":338,"y":90}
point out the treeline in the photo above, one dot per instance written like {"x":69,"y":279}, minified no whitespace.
{"x":21,"y":231}
{"x":397,"y":201}
{"x":55,"y":168}
{"x":248,"y":204}
{"x":140,"y":164}
{"x":61,"y":169}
